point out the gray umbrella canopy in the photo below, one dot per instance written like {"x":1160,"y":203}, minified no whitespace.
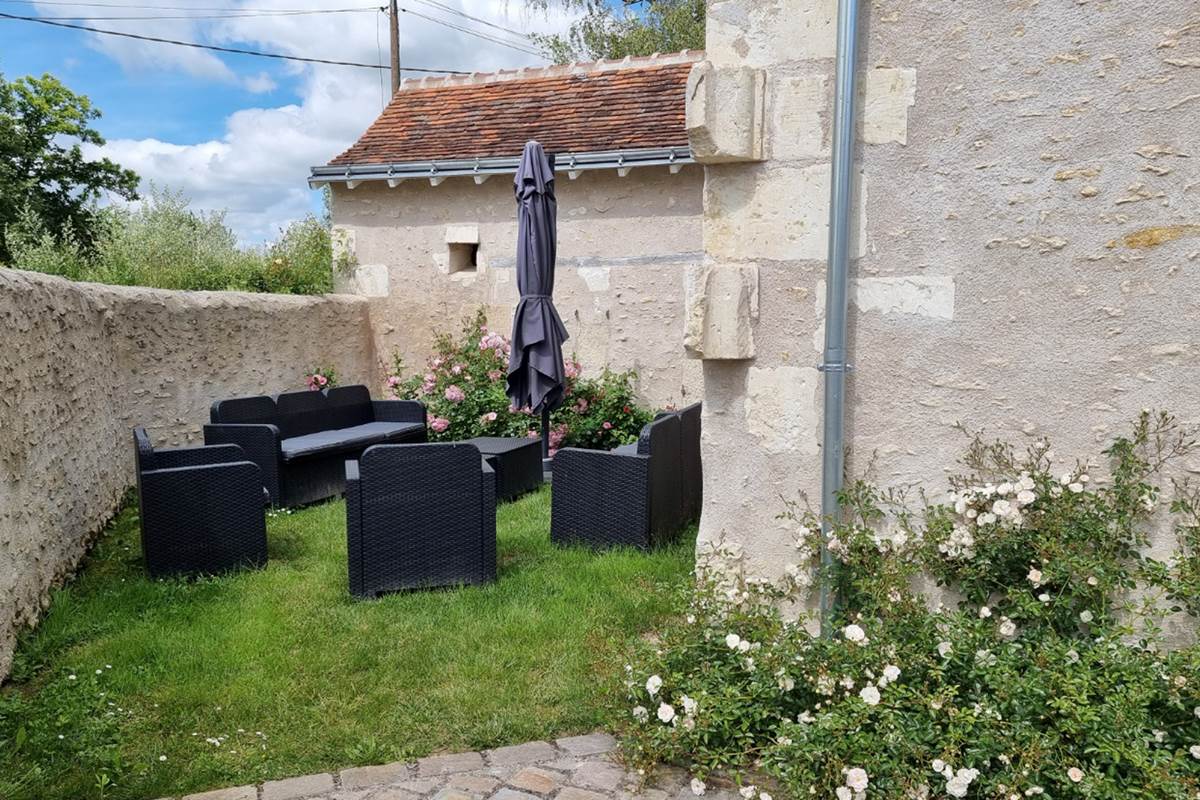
{"x":535,"y":368}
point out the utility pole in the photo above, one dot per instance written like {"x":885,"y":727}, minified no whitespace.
{"x":394,"y":26}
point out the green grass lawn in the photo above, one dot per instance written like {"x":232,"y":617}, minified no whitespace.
{"x":132,"y":688}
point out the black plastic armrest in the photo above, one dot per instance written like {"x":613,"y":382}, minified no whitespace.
{"x":354,"y":566}
{"x":259,"y":442}
{"x":198,"y":456}
{"x":398,"y":411}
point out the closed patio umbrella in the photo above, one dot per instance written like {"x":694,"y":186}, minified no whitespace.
{"x":536,"y":377}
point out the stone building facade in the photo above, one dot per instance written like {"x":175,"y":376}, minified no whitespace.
{"x":423,"y":206}
{"x":1028,"y":238}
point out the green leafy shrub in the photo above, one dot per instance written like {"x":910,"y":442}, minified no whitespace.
{"x":1047,"y":676}
{"x":164,"y":244}
{"x":463,"y":388}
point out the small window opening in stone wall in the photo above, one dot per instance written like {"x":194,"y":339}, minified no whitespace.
{"x":464,"y":256}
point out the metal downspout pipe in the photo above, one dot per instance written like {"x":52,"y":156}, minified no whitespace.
{"x":834,"y":366}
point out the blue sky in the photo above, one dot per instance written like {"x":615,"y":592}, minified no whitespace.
{"x":237,"y":132}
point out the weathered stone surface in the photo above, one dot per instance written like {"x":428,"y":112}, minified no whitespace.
{"x":393,"y":793}
{"x":536,"y":780}
{"x":887,"y":95}
{"x":454,"y":762}
{"x":725,"y":113}
{"x":449,"y":793}
{"x":294,"y":788}
{"x":598,"y":775}
{"x":474,"y":783}
{"x":575,"y":793}
{"x":356,"y":777}
{"x":588,"y":744}
{"x":234,"y":793}
{"x":722,"y":308}
{"x":511,"y":794}
{"x":419,"y":785}
{"x":83,"y":363}
{"x":522,"y":753}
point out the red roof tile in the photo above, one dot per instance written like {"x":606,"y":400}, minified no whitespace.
{"x":607,"y":107}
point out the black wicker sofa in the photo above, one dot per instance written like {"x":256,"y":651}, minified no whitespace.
{"x":638,"y":495}
{"x":301,"y":440}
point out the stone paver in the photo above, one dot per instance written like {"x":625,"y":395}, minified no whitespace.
{"x":536,"y":780}
{"x":588,"y":745}
{"x":455,"y":762}
{"x":522,"y":753}
{"x":571,"y":768}
{"x":294,"y":788}
{"x":358,"y":777}
{"x":474,"y":784}
{"x":236,"y":793}
{"x":572,"y":793}
{"x":598,"y":775}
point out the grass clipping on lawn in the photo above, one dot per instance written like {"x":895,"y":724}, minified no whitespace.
{"x":133,"y":688}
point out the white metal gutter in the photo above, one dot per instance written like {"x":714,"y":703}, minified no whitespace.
{"x":483,"y":168}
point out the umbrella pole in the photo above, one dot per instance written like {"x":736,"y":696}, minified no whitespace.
{"x":545,"y":432}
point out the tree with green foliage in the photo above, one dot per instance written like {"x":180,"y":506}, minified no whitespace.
{"x":637,"y":28}
{"x":43,"y":169}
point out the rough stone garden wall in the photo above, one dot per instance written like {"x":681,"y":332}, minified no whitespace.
{"x":625,"y":246}
{"x":1028,"y":258}
{"x":80,"y":364}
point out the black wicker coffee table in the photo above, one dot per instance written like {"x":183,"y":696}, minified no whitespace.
{"x":517,"y":462}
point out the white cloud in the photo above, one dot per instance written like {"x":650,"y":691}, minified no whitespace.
{"x":258,"y":168}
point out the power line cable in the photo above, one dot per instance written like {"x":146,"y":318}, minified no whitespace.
{"x":234,"y":50}
{"x":221,"y":9}
{"x":472,"y":32}
{"x":480,"y":20}
{"x":144,"y":18}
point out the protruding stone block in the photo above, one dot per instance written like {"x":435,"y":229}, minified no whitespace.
{"x":462,"y":234}
{"x":722,"y":308}
{"x":725,"y":113}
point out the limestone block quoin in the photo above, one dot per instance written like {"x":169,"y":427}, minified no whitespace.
{"x":722,"y":307}
{"x":725,"y":113}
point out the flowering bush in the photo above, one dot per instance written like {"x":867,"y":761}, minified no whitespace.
{"x":319,"y":378}
{"x":463,"y":388}
{"x":1046,"y":677}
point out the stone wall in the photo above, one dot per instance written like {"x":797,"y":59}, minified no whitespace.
{"x":80,"y":364}
{"x":1028,"y":218}
{"x":625,"y":247}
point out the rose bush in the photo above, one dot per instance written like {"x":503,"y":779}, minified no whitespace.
{"x":1043,"y":673}
{"x":319,"y":378}
{"x":463,"y":389}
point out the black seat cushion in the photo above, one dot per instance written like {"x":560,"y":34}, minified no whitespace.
{"x":345,"y":439}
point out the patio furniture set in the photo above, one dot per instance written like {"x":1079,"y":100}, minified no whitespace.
{"x":418,"y":514}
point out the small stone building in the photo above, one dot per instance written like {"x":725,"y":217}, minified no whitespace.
{"x":423,"y":203}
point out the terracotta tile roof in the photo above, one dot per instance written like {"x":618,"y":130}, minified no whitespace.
{"x":569,"y":109}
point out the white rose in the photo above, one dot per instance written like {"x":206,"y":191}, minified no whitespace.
{"x":747,"y":792}
{"x":843,"y":793}
{"x":1085,"y":616}
{"x":653,"y":684}
{"x":640,"y":713}
{"x":891,"y":672}
{"x":764,"y":796}
{"x":870,"y":695}
{"x":1025,"y":497}
{"x":698,"y":787}
{"x":732,"y":641}
{"x":744,"y":646}
{"x":1002,"y":508}
{"x":853,"y":633}
{"x":1195,"y":751}
{"x":1043,"y":597}
{"x":1008,"y":628}
{"x":856,"y":779}
{"x":689,"y":705}
{"x":984,"y":612}
{"x":1075,"y":774}
{"x":938,"y":765}
{"x":944,"y":649}
{"x":666,"y":713}
{"x":1075,"y":487}
{"x":987,"y":519}
{"x":1035,"y":576}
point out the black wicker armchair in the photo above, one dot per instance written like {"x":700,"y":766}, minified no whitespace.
{"x":638,"y":495}
{"x":202,"y":509}
{"x":419,"y":516}
{"x":300,"y":440}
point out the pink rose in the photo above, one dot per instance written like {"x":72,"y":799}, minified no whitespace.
{"x":321,"y":379}
{"x":439,"y":424}
{"x":487,"y":418}
{"x":531,"y":434}
{"x":455,"y":394}
{"x":607,"y":426}
{"x":394,"y":381}
{"x":494,"y":375}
